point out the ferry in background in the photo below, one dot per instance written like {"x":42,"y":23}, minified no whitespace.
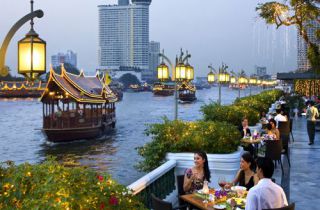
{"x":163,"y":89}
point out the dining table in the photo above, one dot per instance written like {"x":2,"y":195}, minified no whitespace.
{"x":198,"y":201}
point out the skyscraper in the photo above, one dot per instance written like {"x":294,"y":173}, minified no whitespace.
{"x":69,"y":57}
{"x":303,"y":62}
{"x":154,"y":61}
{"x":124,"y":35}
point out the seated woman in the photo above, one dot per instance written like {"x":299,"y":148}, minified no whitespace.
{"x":195,"y":176}
{"x":246,"y":176}
{"x":272,"y":129}
{"x":244,"y":128}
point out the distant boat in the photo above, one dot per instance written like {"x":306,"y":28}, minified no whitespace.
{"x":163,"y":89}
{"x":187,"y":92}
{"x":21,"y":89}
{"x":77,"y":107}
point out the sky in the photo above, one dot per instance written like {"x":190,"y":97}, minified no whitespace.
{"x":213,"y":31}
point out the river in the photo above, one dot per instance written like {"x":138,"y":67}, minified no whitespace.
{"x":21,"y":139}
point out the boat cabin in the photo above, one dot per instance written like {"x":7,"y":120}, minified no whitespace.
{"x":77,"y":107}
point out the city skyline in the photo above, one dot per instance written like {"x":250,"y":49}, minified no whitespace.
{"x":213,"y":33}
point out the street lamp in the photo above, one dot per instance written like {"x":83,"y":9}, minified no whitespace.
{"x":242,"y":81}
{"x":223,"y":77}
{"x":181,"y":72}
{"x":31,"y":49}
{"x":252,"y":81}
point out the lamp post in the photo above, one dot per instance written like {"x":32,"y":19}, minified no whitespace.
{"x":180,"y":72}
{"x":31,"y":49}
{"x":252,"y":81}
{"x":223,"y":77}
{"x":242,"y":80}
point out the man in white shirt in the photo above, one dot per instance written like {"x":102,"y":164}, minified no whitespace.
{"x":279,"y":117}
{"x":266,"y":194}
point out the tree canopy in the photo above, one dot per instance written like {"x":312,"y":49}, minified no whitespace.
{"x":129,"y":79}
{"x":299,"y":13}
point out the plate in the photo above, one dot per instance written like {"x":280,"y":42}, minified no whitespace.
{"x":236,"y":188}
{"x":221,"y":206}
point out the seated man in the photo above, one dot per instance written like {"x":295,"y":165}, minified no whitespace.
{"x":266,"y":194}
{"x":280,"y":117}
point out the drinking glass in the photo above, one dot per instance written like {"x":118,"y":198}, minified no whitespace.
{"x":222,"y":182}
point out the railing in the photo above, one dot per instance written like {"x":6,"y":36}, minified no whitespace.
{"x":160,"y":182}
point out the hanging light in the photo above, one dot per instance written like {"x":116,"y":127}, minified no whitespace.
{"x":180,"y":72}
{"x":233,"y":79}
{"x":242,"y":80}
{"x":189,"y":72}
{"x":163,"y":72}
{"x":224,"y":77}
{"x":31,"y":54}
{"x":253,"y":80}
{"x":210,"y":77}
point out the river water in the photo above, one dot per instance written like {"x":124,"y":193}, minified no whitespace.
{"x":21,"y":139}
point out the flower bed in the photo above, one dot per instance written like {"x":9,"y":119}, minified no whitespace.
{"x":50,"y":185}
{"x":179,"y":136}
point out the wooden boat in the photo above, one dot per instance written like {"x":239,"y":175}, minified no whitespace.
{"x":187,"y":92}
{"x":77,"y":107}
{"x":163,"y":89}
{"x":21,"y":89}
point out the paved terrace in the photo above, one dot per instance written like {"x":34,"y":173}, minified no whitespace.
{"x":301,"y":182}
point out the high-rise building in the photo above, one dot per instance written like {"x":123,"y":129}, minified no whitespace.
{"x":124,"y":35}
{"x":69,"y":57}
{"x":260,"y":71}
{"x":303,"y":62}
{"x":154,"y":61}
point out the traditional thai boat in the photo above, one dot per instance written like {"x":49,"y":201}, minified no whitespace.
{"x":21,"y":89}
{"x":163,"y":89}
{"x":77,"y":107}
{"x":187,"y":92}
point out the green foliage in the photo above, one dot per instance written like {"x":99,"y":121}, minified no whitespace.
{"x":129,"y":79}
{"x":260,"y":102}
{"x":297,"y":13}
{"x":179,"y":136}
{"x":232,"y":114}
{"x":50,"y":185}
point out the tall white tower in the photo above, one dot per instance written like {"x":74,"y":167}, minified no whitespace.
{"x":124,"y":35}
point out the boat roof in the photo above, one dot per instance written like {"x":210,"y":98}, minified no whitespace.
{"x":81,"y":88}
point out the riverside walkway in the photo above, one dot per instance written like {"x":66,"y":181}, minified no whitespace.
{"x":301,"y":182}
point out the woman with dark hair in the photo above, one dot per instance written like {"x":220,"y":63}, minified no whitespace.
{"x":272,"y":128}
{"x":195,"y":176}
{"x":246,"y":176}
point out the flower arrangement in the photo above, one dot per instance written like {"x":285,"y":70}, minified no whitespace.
{"x":50,"y":185}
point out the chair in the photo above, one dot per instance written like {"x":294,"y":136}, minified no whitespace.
{"x":273,"y":151}
{"x":284,"y":127}
{"x":290,"y":207}
{"x":180,"y":181}
{"x":285,"y":145}
{"x":158,"y":204}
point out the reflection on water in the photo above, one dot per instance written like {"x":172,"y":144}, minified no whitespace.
{"x":21,"y":138}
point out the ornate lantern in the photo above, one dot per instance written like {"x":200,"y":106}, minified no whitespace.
{"x":180,"y":72}
{"x":163,"y":72}
{"x":210,"y":77}
{"x":189,"y":72}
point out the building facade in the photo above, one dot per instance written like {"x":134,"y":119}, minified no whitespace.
{"x":260,"y":71}
{"x":124,"y":35}
{"x":302,"y":59}
{"x":69,"y":57}
{"x":150,"y":75}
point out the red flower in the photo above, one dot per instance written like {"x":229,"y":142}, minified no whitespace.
{"x":100,"y":178}
{"x":113,"y":201}
{"x":102,"y":206}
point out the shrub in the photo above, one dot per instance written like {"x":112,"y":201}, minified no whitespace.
{"x":231,"y":114}
{"x":260,"y":102}
{"x":52,"y":186}
{"x":179,"y":136}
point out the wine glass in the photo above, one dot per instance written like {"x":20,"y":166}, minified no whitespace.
{"x":222,"y":182}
